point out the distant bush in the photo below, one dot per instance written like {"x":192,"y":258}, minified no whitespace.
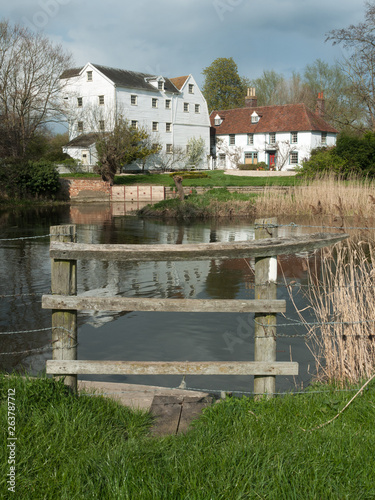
{"x":247,"y":166}
{"x":28,"y":179}
{"x":352,"y":155}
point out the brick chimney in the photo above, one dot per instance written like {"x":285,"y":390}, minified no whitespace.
{"x":320,"y":105}
{"x":251,"y":100}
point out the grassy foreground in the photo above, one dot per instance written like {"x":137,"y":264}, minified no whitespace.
{"x":78,"y":448}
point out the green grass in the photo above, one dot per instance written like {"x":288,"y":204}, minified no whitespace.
{"x":217,"y":202}
{"x":82,"y":175}
{"x":78,"y":448}
{"x":215,"y":178}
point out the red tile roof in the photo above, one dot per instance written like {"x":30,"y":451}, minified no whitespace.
{"x":287,"y":118}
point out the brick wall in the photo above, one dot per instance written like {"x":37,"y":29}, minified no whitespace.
{"x":86,"y":189}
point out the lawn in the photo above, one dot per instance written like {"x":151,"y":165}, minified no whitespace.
{"x":86,"y":447}
{"x":215,"y":178}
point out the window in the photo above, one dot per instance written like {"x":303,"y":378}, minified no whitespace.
{"x":197,"y":108}
{"x":154,"y":102}
{"x":89,"y":76}
{"x":191,"y":88}
{"x":161,"y":85}
{"x":254,"y":117}
{"x":79,"y":102}
{"x":232,"y":139}
{"x":294,"y":137}
{"x":186,"y":107}
{"x":101,"y":125}
{"x":251,"y":158}
{"x":222,"y":159}
{"x":101,"y":99}
{"x":168,"y":104}
{"x":134,"y":100}
{"x":324,"y":138}
{"x":134,"y":124}
{"x":80,"y":126}
{"x":293,"y":158}
{"x":250,"y":138}
{"x":169,"y":149}
{"x":272,"y":138}
{"x":218,"y":120}
{"x":168,"y":127}
{"x":155,"y":126}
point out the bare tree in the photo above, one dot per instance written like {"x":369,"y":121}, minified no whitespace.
{"x":30,"y":86}
{"x":283,"y":151}
{"x":359,"y":66}
{"x":170,"y":160}
{"x":234,"y":153}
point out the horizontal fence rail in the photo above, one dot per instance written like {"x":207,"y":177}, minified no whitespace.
{"x":167,"y":305}
{"x":203,"y":251}
{"x":173,"y":367}
{"x":64,"y":302}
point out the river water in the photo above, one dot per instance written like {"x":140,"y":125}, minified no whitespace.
{"x":25,"y":276}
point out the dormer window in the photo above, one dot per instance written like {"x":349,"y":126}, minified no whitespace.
{"x":254,"y":117}
{"x":217,"y":120}
{"x":160,"y":85}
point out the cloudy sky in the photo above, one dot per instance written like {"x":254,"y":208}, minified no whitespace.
{"x":180,"y":37}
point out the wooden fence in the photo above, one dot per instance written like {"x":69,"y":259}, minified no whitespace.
{"x":64,"y":302}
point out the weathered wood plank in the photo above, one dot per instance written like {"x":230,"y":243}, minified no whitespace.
{"x":202,"y":251}
{"x":64,"y":323}
{"x":81,"y":303}
{"x":171,"y":367}
{"x":265,"y":324}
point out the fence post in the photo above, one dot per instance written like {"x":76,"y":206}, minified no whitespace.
{"x":265,"y":324}
{"x":64,"y":282}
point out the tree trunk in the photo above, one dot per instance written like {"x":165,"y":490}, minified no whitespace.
{"x":178,"y":182}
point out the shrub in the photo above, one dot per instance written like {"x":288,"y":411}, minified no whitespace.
{"x":247,"y":166}
{"x":20,"y":179}
{"x":326,"y":160}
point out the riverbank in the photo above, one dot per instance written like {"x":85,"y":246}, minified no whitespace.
{"x":93,"y":447}
{"x":213,"y":203}
{"x":327,"y":197}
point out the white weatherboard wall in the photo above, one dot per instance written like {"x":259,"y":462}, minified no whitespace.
{"x":184,"y":124}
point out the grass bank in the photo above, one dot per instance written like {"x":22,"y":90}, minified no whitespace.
{"x":87,"y":447}
{"x":214,"y":203}
{"x":328,"y":197}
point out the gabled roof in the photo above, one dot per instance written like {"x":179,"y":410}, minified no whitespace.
{"x":179,"y":81}
{"x":125,"y":78}
{"x":287,"y":118}
{"x":83,"y":140}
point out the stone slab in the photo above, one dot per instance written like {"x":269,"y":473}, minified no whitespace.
{"x":133,"y":395}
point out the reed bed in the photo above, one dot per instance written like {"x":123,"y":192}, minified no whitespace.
{"x":324,"y":196}
{"x":343,"y":300}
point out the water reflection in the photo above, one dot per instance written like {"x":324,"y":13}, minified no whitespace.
{"x":25,"y":276}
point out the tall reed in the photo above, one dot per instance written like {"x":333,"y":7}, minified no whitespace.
{"x":324,"y":196}
{"x":343,"y":301}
